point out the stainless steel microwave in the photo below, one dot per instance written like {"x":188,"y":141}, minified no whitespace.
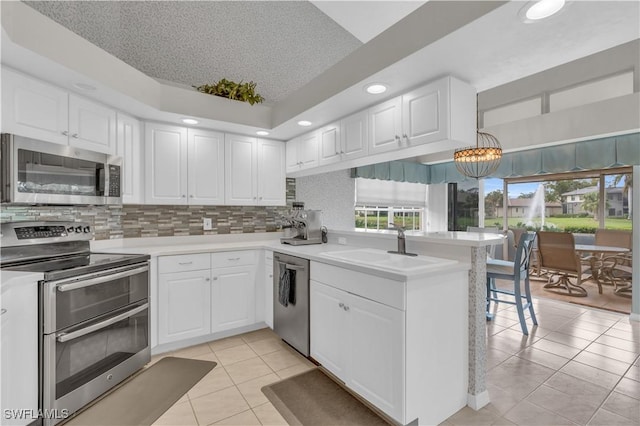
{"x":38,"y":172}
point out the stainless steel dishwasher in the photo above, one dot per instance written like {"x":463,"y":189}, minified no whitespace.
{"x":291,"y":322}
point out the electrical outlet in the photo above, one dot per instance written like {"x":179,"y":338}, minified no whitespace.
{"x":206,"y":224}
{"x":342,"y":240}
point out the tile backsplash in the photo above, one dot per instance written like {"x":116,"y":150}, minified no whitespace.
{"x":132,"y":221}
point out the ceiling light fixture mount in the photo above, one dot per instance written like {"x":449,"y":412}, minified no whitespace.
{"x":376,"y":88}
{"x":189,"y":121}
{"x":535,"y":11}
{"x":481,"y":160}
{"x":304,"y":123}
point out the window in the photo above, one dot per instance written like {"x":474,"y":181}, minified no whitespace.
{"x":379,"y":203}
{"x":379,"y":217}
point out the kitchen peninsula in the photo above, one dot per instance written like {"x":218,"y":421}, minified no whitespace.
{"x":431,"y":353}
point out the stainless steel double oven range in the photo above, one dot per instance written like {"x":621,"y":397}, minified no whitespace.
{"x":93,"y":309}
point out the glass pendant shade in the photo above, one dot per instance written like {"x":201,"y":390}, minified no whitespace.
{"x":480,"y":160}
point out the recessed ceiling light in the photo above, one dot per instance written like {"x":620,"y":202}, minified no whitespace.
{"x":535,"y":11}
{"x":376,"y":88}
{"x":189,"y":121}
{"x":262,"y":133}
{"x":84,"y":86}
{"x":304,"y":123}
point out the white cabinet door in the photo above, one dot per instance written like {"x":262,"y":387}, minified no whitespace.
{"x":165,"y":164}
{"x":34,"y":109}
{"x":376,"y":338}
{"x":184,"y":309}
{"x":241,"y":168}
{"x":330,"y":144}
{"x":308,"y":150}
{"x":129,"y":147}
{"x":233,"y":297}
{"x":424,"y":113}
{"x":205,"y":167}
{"x":19,"y":346}
{"x":328,"y":332}
{"x":354,"y":136}
{"x":385,"y":121}
{"x":91,"y":126}
{"x":291,"y":160}
{"x":272,"y":181}
{"x":268,"y":288}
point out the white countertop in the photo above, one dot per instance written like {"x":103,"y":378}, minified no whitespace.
{"x":165,"y":246}
{"x":456,"y":238}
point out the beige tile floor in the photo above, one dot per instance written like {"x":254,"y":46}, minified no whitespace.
{"x":579,"y":366}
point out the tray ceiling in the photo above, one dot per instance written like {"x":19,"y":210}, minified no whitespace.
{"x":280,"y":45}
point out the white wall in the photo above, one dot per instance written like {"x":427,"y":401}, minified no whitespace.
{"x":333,"y":193}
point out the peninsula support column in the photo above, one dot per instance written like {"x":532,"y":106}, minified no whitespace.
{"x":477,"y":396}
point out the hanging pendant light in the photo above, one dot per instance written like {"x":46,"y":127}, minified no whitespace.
{"x":480,"y":160}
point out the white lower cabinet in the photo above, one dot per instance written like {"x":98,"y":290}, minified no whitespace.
{"x":361,"y":342}
{"x":268,"y":288}
{"x":185,"y":310}
{"x":204,"y":293}
{"x":393,"y":342}
{"x":232,"y":298}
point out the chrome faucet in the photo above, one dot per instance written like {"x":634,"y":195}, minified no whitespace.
{"x":402,"y":247}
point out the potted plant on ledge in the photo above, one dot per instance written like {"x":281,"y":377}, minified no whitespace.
{"x":244,"y":92}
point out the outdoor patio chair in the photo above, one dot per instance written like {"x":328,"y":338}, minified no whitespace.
{"x":595,"y":261}
{"x":618,"y":271}
{"x":559,"y":259}
{"x":516,"y":271}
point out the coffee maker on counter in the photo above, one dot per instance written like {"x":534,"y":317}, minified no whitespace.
{"x":302,"y":226}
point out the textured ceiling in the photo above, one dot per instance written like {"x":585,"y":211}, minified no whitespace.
{"x":197,"y":42}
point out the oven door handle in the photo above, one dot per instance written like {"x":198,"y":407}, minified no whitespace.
{"x":99,"y":280}
{"x":65,"y":337}
{"x":294,"y":267}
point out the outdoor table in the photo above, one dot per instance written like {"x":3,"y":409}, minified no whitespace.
{"x":593,"y":260}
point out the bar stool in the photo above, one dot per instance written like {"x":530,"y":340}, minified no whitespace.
{"x":515,"y":271}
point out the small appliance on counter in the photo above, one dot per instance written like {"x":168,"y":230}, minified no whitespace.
{"x":302,"y":226}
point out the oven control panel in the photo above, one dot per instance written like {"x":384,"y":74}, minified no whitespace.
{"x":26,"y":233}
{"x":29,"y":232}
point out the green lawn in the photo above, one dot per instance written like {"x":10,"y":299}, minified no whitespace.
{"x":563,"y":222}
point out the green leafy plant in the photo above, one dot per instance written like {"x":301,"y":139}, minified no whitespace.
{"x":244,"y":92}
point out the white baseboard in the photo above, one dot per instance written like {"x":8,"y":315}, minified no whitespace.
{"x":478,"y":401}
{"x":634,"y":317}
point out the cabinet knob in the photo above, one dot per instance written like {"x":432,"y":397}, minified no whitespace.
{"x":397,"y":138}
{"x":191,"y":196}
{"x":215,"y":278}
{"x":270,"y":275}
{"x":341,"y":152}
{"x":406,"y":138}
{"x":260,"y":198}
{"x":346,"y":308}
{"x":183,"y":196}
{"x":341,"y":305}
{"x":64,"y":132}
{"x":75,"y":135}
{"x":207,"y":279}
{"x":3,"y":311}
{"x":254,"y":198}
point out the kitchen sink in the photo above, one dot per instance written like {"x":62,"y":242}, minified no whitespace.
{"x":381,"y":259}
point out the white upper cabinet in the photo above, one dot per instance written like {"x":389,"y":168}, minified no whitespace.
{"x":206,"y":167}
{"x":272,"y":181}
{"x":183,"y":166}
{"x":129,"y":147}
{"x":38,"y":110}
{"x":330,"y":144}
{"x":241,"y":174}
{"x":165,"y":164}
{"x":34,"y":109}
{"x":385,"y":121}
{"x":302,"y":152}
{"x":91,"y":125}
{"x":354,"y":136}
{"x":255,"y":171}
{"x":425,"y":114}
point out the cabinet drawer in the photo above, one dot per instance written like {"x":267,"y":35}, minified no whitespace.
{"x":385,"y":291}
{"x":184,"y":262}
{"x":233,"y":258}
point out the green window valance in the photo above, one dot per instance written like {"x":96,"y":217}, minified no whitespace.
{"x":594,"y":154}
